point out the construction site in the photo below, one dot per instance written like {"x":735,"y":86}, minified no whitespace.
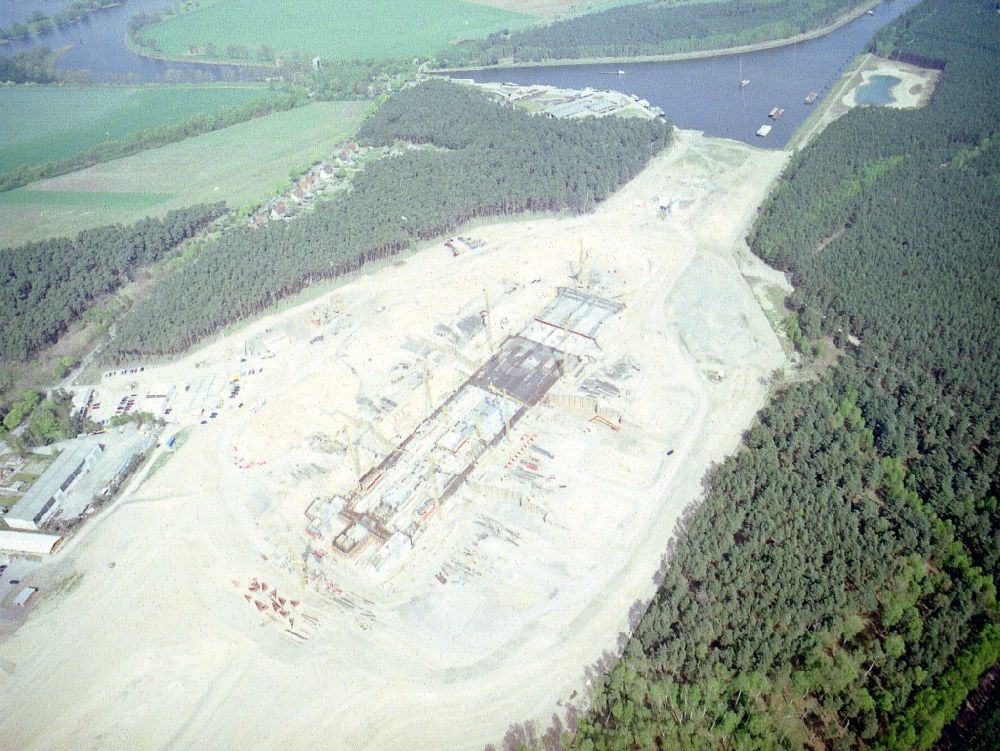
{"x":378,"y":522}
{"x":457,"y":471}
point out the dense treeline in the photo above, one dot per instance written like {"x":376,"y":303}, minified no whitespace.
{"x":837,"y":587}
{"x":45,"y":286}
{"x":33,"y":66}
{"x":978,"y":725}
{"x":488,"y":160}
{"x":652,"y":28}
{"x":345,"y":79}
{"x":152,"y":138}
{"x":910,"y":200}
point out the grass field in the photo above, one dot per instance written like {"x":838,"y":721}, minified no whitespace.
{"x":242,"y":164}
{"x":45,"y":123}
{"x":345,"y":30}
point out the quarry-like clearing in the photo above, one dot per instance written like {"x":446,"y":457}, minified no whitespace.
{"x":914,"y":90}
{"x":522,"y":570}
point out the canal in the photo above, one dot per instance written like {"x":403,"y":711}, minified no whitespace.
{"x":705,"y":95}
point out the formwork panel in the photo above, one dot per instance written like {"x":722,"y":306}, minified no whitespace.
{"x":522,"y":368}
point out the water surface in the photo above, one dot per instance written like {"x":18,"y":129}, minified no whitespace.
{"x":705,"y":94}
{"x":95,"y":47}
{"x":877,"y":90}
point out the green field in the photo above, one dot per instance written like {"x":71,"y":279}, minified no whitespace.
{"x":46,"y":123}
{"x":241,"y":164}
{"x":345,"y":30}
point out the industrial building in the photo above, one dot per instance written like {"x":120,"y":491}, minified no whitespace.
{"x":28,"y":543}
{"x":44,"y":497}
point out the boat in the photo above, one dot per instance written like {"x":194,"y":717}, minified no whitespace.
{"x":776,"y":113}
{"x":811,"y":97}
{"x":744,"y":82}
{"x":763,"y":131}
{"x":621,"y":72}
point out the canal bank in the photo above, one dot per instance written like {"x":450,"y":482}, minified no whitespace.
{"x":704,"y":93}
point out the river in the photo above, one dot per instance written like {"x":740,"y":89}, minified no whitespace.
{"x":97,"y":45}
{"x":704,"y":94}
{"x":701,"y":94}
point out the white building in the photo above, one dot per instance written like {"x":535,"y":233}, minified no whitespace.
{"x":28,"y":543}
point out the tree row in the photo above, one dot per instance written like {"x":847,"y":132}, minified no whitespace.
{"x":489,"y":160}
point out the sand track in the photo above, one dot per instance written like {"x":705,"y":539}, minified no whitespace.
{"x":164,"y":651}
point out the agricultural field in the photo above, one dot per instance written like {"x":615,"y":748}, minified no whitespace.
{"x":44,"y":124}
{"x":348,"y":30}
{"x":554,"y":8}
{"x":242,"y":164}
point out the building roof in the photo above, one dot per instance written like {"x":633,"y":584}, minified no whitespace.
{"x":23,"y":596}
{"x":53,"y":479}
{"x":28,"y":543}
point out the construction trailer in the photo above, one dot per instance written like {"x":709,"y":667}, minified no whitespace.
{"x":24,"y":596}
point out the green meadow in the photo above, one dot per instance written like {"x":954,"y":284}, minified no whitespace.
{"x":345,"y":30}
{"x":48,"y":123}
{"x":242,"y":164}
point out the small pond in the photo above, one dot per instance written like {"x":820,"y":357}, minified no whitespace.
{"x":877,"y":90}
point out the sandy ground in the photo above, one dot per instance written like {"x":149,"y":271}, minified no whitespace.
{"x":914,"y":90}
{"x":142,"y":636}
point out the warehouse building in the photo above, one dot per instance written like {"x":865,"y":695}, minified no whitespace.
{"x":28,"y":543}
{"x":49,"y":491}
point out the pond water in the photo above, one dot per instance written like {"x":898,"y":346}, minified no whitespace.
{"x":877,"y":90}
{"x":705,"y":94}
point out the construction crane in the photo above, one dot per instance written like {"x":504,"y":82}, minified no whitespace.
{"x":489,"y":321}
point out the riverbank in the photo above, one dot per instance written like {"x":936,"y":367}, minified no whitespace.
{"x":830,"y":108}
{"x":676,"y":56}
{"x":48,"y":23}
{"x":914,"y":90}
{"x":145,"y":52}
{"x":666,"y":57}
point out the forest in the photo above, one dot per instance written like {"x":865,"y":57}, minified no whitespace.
{"x":837,"y":586}
{"x":469,"y":157}
{"x":45,"y":286}
{"x":33,"y":66}
{"x":650,"y":28}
